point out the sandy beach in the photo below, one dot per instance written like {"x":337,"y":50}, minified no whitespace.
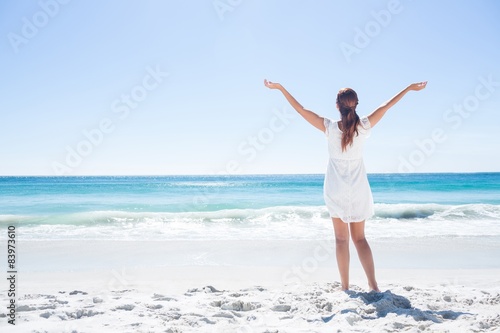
{"x":250,"y":286}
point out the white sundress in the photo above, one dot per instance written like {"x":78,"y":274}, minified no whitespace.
{"x":346,"y":189}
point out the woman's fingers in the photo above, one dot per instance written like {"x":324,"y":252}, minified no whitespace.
{"x":420,"y":85}
{"x":269,"y":84}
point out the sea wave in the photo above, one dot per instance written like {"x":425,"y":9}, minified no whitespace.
{"x":281,"y":222}
{"x":437,"y":212}
{"x":271,"y":214}
{"x":237,"y":216}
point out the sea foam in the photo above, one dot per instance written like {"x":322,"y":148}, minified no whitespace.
{"x":281,"y":222}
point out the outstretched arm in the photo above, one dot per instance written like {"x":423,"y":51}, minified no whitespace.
{"x":376,"y":115}
{"x":310,"y":116}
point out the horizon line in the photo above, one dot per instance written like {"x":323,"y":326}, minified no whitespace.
{"x":246,"y":174}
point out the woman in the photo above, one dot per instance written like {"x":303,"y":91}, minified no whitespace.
{"x":346,"y":189}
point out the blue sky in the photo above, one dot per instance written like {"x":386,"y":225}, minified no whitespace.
{"x":176,"y":87}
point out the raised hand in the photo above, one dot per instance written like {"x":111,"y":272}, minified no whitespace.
{"x":272,"y":85}
{"x":417,"y":86}
{"x":308,"y":115}
{"x":376,"y":115}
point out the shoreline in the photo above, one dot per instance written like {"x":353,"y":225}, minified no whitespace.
{"x":431,"y":253}
{"x":188,"y":263}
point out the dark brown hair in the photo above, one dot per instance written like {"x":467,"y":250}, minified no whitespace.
{"x":347,"y":100}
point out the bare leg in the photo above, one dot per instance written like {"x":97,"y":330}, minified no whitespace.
{"x":364,"y":252}
{"x":342,"y":250}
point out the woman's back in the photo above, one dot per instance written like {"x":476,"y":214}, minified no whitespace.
{"x":334,"y":135}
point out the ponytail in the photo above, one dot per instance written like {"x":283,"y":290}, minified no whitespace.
{"x":347,"y":100}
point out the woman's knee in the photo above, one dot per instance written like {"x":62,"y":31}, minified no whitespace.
{"x":360,"y":240}
{"x":341,"y":240}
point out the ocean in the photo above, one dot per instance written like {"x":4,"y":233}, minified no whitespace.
{"x":246,"y":207}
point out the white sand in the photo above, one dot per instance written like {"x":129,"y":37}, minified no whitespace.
{"x":286,"y":286}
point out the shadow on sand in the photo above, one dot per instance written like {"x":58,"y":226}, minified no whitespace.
{"x":386,"y":302}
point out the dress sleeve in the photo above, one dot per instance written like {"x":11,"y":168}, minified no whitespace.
{"x":365,"y":123}
{"x":327,"y":123}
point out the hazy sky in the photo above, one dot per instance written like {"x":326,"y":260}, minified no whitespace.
{"x":176,"y":87}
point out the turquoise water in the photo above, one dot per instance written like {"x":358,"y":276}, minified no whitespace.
{"x":280,"y":205}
